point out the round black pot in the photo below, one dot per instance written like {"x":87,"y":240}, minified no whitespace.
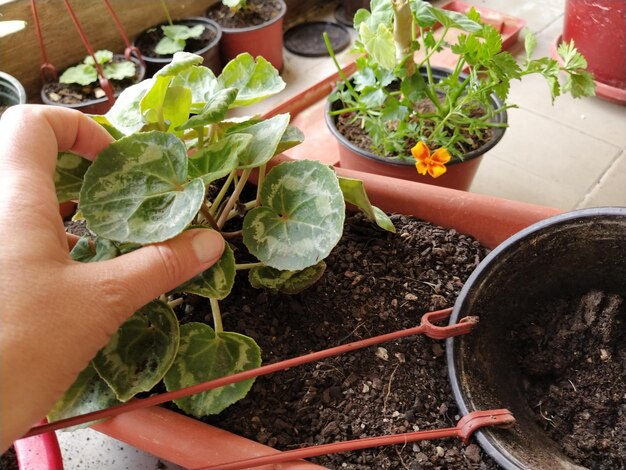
{"x":459,"y":174}
{"x":100,"y":105}
{"x":11,"y":91}
{"x":570,"y":253}
{"x":210,"y":52}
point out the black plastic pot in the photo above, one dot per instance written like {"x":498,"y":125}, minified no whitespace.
{"x":11,"y":91}
{"x":210,"y":52}
{"x":100,"y":105}
{"x":569,"y":254}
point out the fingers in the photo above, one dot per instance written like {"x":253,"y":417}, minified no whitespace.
{"x":130,"y":281}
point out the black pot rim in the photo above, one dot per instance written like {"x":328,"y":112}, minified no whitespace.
{"x":17,"y":87}
{"x":502,"y":457}
{"x":280,"y":16}
{"x":84,"y":104}
{"x":498,"y":132}
{"x":191,"y":19}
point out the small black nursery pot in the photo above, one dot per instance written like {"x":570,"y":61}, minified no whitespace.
{"x":567,"y":255}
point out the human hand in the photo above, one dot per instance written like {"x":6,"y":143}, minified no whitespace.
{"x":51,"y":325}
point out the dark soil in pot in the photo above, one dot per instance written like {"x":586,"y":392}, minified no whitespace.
{"x":8,"y":460}
{"x":574,"y":356}
{"x":376,"y":282}
{"x":147,"y":41}
{"x":256,"y":13}
{"x":74,"y":94}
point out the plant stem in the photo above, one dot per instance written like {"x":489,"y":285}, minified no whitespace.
{"x":176,"y":302}
{"x":402,"y":27}
{"x":243,"y":266}
{"x":222,"y":193}
{"x":339,"y":69}
{"x":233,"y":198}
{"x":217,"y":316}
{"x":247,"y":206}
{"x":200,"y":132}
{"x":167,"y":12}
{"x":205,"y":210}
{"x":231,"y":235}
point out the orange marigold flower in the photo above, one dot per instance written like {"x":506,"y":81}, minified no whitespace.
{"x":435,"y":164}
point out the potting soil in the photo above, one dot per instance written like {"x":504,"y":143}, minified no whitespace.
{"x":256,"y":13}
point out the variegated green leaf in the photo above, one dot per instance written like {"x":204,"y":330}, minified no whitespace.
{"x":217,"y":281}
{"x":214,"y":110}
{"x":69,"y":174}
{"x":125,"y":114}
{"x":255,"y":79}
{"x":180,"y":62}
{"x":201,"y":81}
{"x":87,"y":251}
{"x":140,"y":352}
{"x":300,"y":219}
{"x":291,"y":137}
{"x":354,"y":193}
{"x":88,"y":393}
{"x":137,"y":190}
{"x":218,"y":159}
{"x":266,"y":135}
{"x":204,"y":355}
{"x":104,"y":122}
{"x":287,"y":282}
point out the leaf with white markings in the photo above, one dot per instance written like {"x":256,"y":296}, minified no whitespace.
{"x":218,"y":159}
{"x":141,"y":351}
{"x":255,"y":79}
{"x":125,"y":114}
{"x":287,"y":282}
{"x":266,"y":137}
{"x":68,"y":175}
{"x":291,"y":137}
{"x":217,"y":281}
{"x":300,"y":219}
{"x":88,"y":393}
{"x":204,"y":355}
{"x":88,"y":251}
{"x":213,"y":111}
{"x":137,"y":190}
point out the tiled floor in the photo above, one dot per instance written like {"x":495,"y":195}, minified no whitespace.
{"x":570,"y":155}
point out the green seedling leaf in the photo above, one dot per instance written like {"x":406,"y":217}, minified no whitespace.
{"x":88,"y":393}
{"x":119,"y":70}
{"x":180,"y":63}
{"x":291,"y":137}
{"x":266,"y":136}
{"x":140,"y":352}
{"x":217,"y":281}
{"x":104,"y":122}
{"x":530,"y":44}
{"x":300,"y":219}
{"x":214,"y":110}
{"x":218,"y":159}
{"x":81,"y":74}
{"x":167,"y":46}
{"x":287,"y":282}
{"x":69,"y":174}
{"x":201,"y":81}
{"x":126,"y":114}
{"x":379,"y":44}
{"x":102,"y":57}
{"x":137,"y":190}
{"x":255,"y":79}
{"x":178,"y":31}
{"x":354,"y":193}
{"x":151,"y":104}
{"x":100,"y":249}
{"x":381,"y":13}
{"x":204,"y":355}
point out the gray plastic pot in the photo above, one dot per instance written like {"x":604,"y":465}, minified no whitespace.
{"x":11,"y":91}
{"x":570,"y":253}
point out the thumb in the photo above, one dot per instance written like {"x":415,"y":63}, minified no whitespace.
{"x":132,"y":280}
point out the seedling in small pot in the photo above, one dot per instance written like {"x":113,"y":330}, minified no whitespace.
{"x":176,"y":35}
{"x":235,"y":5}
{"x":86,"y":73}
{"x":174,"y":144}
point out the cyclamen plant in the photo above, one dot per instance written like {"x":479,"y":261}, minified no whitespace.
{"x":174,"y":141}
{"x":86,"y":72}
{"x":235,"y":5}
{"x":405,"y":110}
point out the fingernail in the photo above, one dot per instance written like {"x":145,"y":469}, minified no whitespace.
{"x":208,"y":245}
